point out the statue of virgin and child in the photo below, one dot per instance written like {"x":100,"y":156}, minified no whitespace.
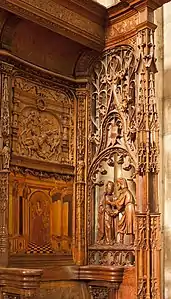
{"x":116,"y":214}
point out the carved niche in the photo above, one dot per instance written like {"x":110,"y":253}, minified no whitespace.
{"x":42,"y":123}
{"x":112,"y":159}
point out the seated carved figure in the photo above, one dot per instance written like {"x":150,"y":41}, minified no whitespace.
{"x":125,"y":205}
{"x":105,"y":216}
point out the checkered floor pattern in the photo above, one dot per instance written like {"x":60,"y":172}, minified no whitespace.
{"x":33,"y":248}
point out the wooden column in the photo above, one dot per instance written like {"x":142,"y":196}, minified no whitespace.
{"x":79,"y":244}
{"x":5,"y":149}
{"x":147,"y":218}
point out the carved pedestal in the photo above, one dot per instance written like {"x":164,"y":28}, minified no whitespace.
{"x":103,"y":281}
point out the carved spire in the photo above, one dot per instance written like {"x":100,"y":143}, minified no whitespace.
{"x":147,"y":239}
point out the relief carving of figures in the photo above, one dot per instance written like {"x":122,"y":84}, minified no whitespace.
{"x":112,"y":146}
{"x":116,"y":214}
{"x":6,"y":155}
{"x":39,"y":135}
{"x":125,"y":205}
{"x":43,"y":122}
{"x":105,"y":216}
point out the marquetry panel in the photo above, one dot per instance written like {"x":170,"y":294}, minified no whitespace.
{"x":40,"y":215}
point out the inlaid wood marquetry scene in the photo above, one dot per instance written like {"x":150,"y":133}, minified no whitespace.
{"x":80,"y":145}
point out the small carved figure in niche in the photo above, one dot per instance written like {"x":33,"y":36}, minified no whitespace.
{"x":105,"y":216}
{"x":40,"y":231}
{"x":125,"y":206}
{"x":6,"y":155}
{"x":80,"y":171}
{"x":112,"y":133}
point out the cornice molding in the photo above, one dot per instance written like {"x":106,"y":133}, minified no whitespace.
{"x":130,"y":6}
{"x":82,"y":22}
{"x":29,"y":70}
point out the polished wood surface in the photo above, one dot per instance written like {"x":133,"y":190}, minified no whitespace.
{"x":80,"y":21}
{"x":21,"y":283}
{"x":76,"y":119}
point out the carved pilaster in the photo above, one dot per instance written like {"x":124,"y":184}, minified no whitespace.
{"x":80,"y":177}
{"x":3,"y":218}
{"x":147,"y":239}
{"x":5,"y":103}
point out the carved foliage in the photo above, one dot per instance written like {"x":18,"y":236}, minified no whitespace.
{"x":113,"y":100}
{"x":41,"y":174}
{"x":112,"y":126}
{"x":121,"y":28}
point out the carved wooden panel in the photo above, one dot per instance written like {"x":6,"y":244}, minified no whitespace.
{"x":112,"y":159}
{"x":40,"y":215}
{"x":42,"y":123}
